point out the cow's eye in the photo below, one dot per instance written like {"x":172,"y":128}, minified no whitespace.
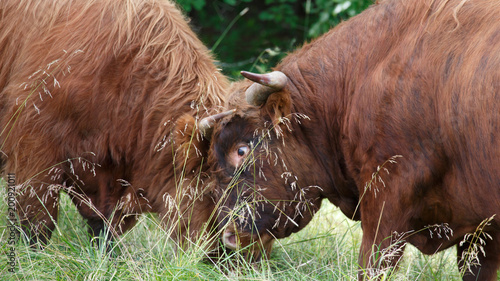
{"x":243,"y":150}
{"x":237,"y":156}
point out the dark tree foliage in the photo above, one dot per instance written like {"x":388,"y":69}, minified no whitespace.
{"x":256,"y":34}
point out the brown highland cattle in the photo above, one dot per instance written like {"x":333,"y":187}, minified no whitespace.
{"x":95,"y":98}
{"x":393,"y":116}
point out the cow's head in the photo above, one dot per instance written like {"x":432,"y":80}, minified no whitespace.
{"x":255,"y":154}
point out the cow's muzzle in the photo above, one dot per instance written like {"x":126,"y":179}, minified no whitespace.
{"x":253,"y":246}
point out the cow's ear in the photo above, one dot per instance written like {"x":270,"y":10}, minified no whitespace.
{"x":188,"y":140}
{"x":277,"y":107}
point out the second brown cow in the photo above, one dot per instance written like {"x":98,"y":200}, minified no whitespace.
{"x":95,"y":99}
{"x":393,"y":116}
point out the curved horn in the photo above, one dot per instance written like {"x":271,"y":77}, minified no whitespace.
{"x":206,"y":124}
{"x":265,"y":85}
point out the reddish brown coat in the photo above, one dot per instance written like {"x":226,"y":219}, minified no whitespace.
{"x":91,"y":93}
{"x":416,"y":79}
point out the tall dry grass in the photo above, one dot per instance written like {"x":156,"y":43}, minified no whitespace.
{"x":325,"y":250}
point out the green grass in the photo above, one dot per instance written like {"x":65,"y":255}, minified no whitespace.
{"x":325,"y":250}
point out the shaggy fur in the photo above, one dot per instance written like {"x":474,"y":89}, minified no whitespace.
{"x":416,"y":79}
{"x":99,"y":99}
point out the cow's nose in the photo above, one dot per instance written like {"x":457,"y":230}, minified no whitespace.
{"x":229,"y":239}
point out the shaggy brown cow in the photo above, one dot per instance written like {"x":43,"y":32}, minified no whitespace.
{"x":394,"y":117}
{"x":91,"y":95}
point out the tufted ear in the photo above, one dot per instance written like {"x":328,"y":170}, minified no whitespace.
{"x":277,"y":106}
{"x":189,"y":143}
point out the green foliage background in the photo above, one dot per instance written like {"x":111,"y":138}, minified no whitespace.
{"x":255,"y":35}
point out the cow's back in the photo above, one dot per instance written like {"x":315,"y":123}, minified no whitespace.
{"x":435,"y":85}
{"x":85,"y":69}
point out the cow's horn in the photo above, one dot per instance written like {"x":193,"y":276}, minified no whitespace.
{"x":206,"y":124}
{"x":265,"y":85}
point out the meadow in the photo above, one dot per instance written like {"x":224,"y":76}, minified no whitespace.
{"x":325,"y":250}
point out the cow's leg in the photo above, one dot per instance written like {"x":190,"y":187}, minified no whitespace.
{"x":126,"y":223}
{"x":37,"y":207}
{"x":383,"y":241}
{"x":102,"y":220}
{"x":95,"y":217}
{"x":378,"y":255}
{"x":103,"y":233}
{"x":100,"y":233}
{"x":91,"y":195}
{"x":487,"y":264}
{"x":97,"y":233}
{"x":95,"y":227}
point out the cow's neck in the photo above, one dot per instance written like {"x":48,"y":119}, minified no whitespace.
{"x":325,"y":75}
{"x":314,"y":96}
